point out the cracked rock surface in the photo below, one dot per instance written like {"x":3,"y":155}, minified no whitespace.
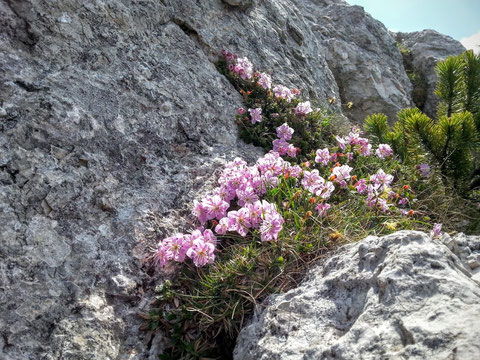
{"x":401,"y":296}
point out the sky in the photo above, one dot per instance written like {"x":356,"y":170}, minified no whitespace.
{"x":459,"y":19}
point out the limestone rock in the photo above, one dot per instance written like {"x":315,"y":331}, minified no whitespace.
{"x":394,"y":297}
{"x":363,"y":57}
{"x":428,"y":47}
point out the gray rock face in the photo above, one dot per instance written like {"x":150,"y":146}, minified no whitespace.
{"x":427,"y":47}
{"x":363,"y":58}
{"x":111,"y":111}
{"x":395,"y":297}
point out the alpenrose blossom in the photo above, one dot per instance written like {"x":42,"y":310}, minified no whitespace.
{"x":265,"y":80}
{"x":303,"y":108}
{"x":256,"y":115}
{"x":383,"y":151}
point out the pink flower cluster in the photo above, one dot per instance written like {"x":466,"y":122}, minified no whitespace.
{"x":362,"y":145}
{"x":281,"y":145}
{"x":315,"y":184}
{"x":198,"y":246}
{"x":240,"y":188}
{"x":258,"y":215}
{"x":265,"y":80}
{"x":283,"y":92}
{"x":356,"y":142}
{"x":377,"y":185}
{"x":244,"y":68}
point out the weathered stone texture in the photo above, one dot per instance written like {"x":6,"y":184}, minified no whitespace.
{"x":428,"y":47}
{"x":401,"y":296}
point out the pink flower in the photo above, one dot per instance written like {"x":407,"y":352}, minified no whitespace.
{"x":376,"y":202}
{"x":270,"y":228}
{"x":303,"y":108}
{"x":326,"y":190}
{"x":256,"y":115}
{"x":209,"y":237}
{"x":239,"y":221}
{"x":323,"y":156}
{"x":312,"y":181}
{"x":272,"y":222}
{"x":291,"y":151}
{"x":424,"y":170}
{"x":176,"y":247}
{"x":361,"y":186}
{"x":366,"y":149}
{"x":160,"y":257}
{"x":215,"y":206}
{"x":284,"y":132}
{"x":255,"y":213}
{"x":342,"y":172}
{"x":222,"y":226}
{"x":341,"y":142}
{"x":200,"y":212}
{"x":383,"y":151}
{"x":265,"y":80}
{"x":201,"y":253}
{"x":246,"y":196}
{"x":322,"y":209}
{"x":381,"y":179}
{"x":280,"y":146}
{"x":437,"y":230}
{"x":241,"y":111}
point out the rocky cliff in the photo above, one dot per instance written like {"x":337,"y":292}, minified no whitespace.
{"x":423,"y":49}
{"x":113,"y":110}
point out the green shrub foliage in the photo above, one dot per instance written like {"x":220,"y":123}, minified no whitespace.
{"x":449,"y":143}
{"x":459,"y":85}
